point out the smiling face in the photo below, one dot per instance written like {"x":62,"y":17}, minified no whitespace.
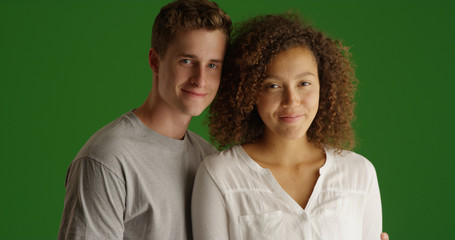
{"x":188,"y":75}
{"x":290,"y":95}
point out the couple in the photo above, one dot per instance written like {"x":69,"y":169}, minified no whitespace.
{"x":285,"y":96}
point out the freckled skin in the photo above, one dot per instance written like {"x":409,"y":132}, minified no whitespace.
{"x":185,"y":80}
{"x":287,"y":106}
{"x":190,"y":70}
{"x":290,"y":97}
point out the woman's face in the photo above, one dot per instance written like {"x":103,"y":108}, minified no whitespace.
{"x":290,"y":94}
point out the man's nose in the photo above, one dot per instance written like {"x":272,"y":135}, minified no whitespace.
{"x":198,"y":77}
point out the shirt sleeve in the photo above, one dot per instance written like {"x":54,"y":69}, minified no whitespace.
{"x":372,"y":216}
{"x":210,"y":218}
{"x":94,"y":202}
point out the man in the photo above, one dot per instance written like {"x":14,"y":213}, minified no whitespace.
{"x":133,"y":178}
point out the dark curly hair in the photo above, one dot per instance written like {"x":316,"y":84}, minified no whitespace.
{"x":233,"y":115}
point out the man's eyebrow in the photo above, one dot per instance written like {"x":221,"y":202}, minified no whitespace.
{"x":195,"y":57}
{"x":187,"y":55}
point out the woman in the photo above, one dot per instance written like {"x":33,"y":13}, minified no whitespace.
{"x":287,"y":98}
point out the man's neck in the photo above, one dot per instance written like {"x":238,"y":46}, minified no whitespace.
{"x":161,"y":119}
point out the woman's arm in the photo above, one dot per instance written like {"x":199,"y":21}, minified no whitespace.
{"x":208,"y":209}
{"x":384,"y":236}
{"x":372,"y":217}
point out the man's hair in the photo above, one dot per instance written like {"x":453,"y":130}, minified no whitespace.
{"x":187,"y":15}
{"x":234,"y":118}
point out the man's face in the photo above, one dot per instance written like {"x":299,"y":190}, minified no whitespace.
{"x":190,"y":70}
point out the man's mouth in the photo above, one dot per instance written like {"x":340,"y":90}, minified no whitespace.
{"x":194,"y":93}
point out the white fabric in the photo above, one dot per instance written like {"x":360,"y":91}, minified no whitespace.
{"x":235,"y":198}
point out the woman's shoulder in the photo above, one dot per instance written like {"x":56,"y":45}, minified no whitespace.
{"x":349,"y":160}
{"x":349,"y":171}
{"x":223,"y":160}
{"x":231,"y":170}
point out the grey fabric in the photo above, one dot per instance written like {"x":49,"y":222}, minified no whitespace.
{"x":129,"y":182}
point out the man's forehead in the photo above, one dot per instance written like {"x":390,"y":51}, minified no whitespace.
{"x":196,"y":33}
{"x":199,"y":41}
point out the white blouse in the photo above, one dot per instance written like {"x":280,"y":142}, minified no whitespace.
{"x":235,"y":198}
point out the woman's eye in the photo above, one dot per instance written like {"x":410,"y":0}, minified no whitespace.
{"x":272,"y":85}
{"x":304,"y":83}
{"x":213,"y":66}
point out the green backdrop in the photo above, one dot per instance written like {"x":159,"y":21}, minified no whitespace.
{"x":70,"y":67}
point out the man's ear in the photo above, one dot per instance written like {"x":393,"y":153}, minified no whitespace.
{"x":154,"y":60}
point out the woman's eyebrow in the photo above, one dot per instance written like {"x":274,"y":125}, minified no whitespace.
{"x":305,"y":74}
{"x":300,"y":75}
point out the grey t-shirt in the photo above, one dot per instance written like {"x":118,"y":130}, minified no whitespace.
{"x":129,"y":182}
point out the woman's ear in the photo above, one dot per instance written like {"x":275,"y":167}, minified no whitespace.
{"x":154,"y":60}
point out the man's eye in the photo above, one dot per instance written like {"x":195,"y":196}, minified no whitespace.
{"x":185,"y":61}
{"x":213,"y":66}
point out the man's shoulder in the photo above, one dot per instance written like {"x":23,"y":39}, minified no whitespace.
{"x":110,"y":141}
{"x":201,"y":144}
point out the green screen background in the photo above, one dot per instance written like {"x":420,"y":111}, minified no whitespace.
{"x":70,"y":67}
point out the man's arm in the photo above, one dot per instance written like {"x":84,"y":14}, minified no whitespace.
{"x":94,"y":202}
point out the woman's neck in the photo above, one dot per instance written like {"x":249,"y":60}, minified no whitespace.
{"x":273,"y":150}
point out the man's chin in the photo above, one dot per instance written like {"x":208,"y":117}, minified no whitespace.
{"x":195,"y":112}
{"x":193,"y":108}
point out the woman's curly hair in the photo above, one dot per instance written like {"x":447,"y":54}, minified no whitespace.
{"x":233,"y":115}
